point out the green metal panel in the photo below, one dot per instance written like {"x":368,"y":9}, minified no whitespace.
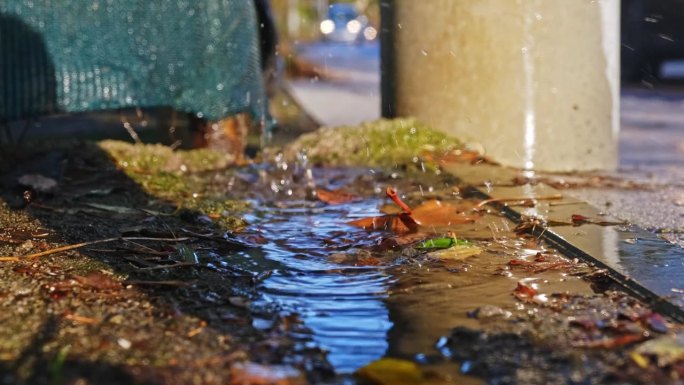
{"x":199,"y":56}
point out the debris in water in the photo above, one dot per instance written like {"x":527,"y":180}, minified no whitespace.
{"x":38,"y":182}
{"x":666,"y":349}
{"x":391,"y":371}
{"x":250,"y":373}
{"x":336,"y":197}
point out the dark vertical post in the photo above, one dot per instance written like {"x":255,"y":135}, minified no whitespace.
{"x":387,"y":59}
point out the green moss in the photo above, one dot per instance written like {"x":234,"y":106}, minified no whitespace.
{"x":162,"y":184}
{"x":224,"y":212}
{"x":381,"y":143}
{"x":152,"y":158}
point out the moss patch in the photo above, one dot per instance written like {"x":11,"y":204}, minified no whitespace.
{"x":382,"y":143}
{"x":167,"y":174}
{"x":152,"y":158}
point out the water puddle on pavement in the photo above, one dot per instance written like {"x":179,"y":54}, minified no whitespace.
{"x":362,"y":295}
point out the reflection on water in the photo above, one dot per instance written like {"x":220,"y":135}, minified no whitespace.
{"x":342,"y":305}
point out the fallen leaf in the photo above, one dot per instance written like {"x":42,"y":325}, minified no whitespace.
{"x":639,"y":359}
{"x":579,"y":219}
{"x":611,"y":343}
{"x":398,"y":223}
{"x":438,"y":213}
{"x":437,"y":243}
{"x":98,"y":281}
{"x":666,"y":349}
{"x":368,"y":261}
{"x":524,"y":292}
{"x":391,"y":371}
{"x":457,"y":252}
{"x":249,"y":373}
{"x":335,"y":197}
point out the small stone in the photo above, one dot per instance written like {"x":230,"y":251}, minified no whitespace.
{"x":124,"y":343}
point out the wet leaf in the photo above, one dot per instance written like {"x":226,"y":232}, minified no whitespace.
{"x":336,"y":197}
{"x":639,"y":359}
{"x":524,"y":291}
{"x":611,"y":343}
{"x":666,"y":349}
{"x":398,"y":223}
{"x":369,"y":261}
{"x":249,"y":373}
{"x":579,"y":219}
{"x":391,"y":371}
{"x":438,"y":213}
{"x":98,"y":280}
{"x":457,"y":252}
{"x":437,"y":243}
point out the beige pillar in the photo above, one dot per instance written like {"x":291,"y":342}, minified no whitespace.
{"x":536,"y":82}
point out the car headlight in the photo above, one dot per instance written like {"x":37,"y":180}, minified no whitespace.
{"x":370,"y":33}
{"x":327,"y":26}
{"x":354,"y":26}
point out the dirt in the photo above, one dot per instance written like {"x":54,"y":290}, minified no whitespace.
{"x":126,"y":311}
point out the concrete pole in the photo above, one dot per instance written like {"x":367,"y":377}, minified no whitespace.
{"x":293,"y":20}
{"x":536,"y":82}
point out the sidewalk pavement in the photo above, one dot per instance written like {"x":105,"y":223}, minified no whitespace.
{"x":651,"y":139}
{"x":647,"y":190}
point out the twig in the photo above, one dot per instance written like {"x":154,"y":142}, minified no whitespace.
{"x":81,"y":319}
{"x":542,"y":198}
{"x":159,"y":283}
{"x":161,"y":267}
{"x":89,"y":243}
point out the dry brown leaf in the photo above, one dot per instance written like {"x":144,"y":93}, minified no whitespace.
{"x":336,"y":197}
{"x":438,"y":213}
{"x":398,"y":223}
{"x":98,"y":281}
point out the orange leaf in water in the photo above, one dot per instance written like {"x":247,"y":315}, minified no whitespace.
{"x":398,"y":223}
{"x":524,"y":292}
{"x":438,"y":213}
{"x":335,"y":197}
{"x":368,"y":261}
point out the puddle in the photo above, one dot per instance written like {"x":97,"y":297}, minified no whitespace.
{"x":395,"y":303}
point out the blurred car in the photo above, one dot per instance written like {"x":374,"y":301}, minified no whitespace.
{"x":652,"y":32}
{"x":345,"y":25}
